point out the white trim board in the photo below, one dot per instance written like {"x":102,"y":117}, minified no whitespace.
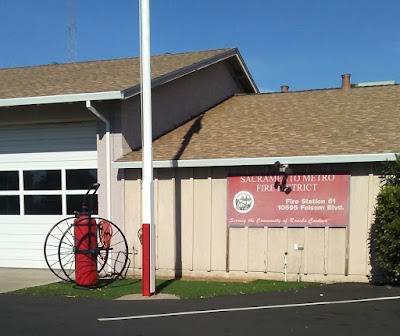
{"x":50,"y":160}
{"x":319,"y":159}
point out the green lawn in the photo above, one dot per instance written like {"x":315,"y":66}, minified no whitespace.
{"x":180,"y":288}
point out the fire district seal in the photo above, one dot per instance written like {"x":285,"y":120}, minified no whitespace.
{"x":243,"y":201}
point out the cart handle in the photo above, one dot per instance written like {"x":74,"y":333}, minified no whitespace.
{"x":94,"y":187}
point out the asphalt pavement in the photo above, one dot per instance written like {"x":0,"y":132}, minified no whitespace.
{"x":346,"y":309}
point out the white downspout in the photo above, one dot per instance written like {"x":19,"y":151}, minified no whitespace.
{"x":108,"y":154}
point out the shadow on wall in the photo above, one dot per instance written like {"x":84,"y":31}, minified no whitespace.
{"x":195,"y":128}
{"x":178,"y":226}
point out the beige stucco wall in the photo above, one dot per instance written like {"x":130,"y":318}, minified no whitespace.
{"x":192,"y":235}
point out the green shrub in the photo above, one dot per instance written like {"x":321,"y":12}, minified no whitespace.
{"x":385,"y":231}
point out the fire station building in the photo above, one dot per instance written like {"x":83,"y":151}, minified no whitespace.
{"x":247,"y":185}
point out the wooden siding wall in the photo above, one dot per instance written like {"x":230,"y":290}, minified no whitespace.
{"x":193,"y":239}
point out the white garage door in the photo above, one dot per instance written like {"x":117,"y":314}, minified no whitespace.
{"x":44,"y":171}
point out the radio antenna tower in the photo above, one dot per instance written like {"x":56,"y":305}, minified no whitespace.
{"x":72,"y":32}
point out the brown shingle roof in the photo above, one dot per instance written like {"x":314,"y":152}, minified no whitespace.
{"x":320,"y":122}
{"x":89,"y":77}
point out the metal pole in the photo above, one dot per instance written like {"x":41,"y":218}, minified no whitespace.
{"x":148,"y":227}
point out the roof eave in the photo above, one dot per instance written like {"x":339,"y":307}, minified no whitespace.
{"x":247,"y":72}
{"x":67,"y":98}
{"x":318,"y":159}
{"x":132,"y":91}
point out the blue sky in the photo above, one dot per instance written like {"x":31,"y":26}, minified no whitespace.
{"x":304,"y":44}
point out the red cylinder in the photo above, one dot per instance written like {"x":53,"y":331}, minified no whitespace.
{"x":85,"y":254}
{"x":146,"y":260}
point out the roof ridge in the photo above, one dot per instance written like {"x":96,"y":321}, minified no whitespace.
{"x":313,"y":90}
{"x":113,"y":59}
{"x":279,"y":92}
{"x":195,"y":52}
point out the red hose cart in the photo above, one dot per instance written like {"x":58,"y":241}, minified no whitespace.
{"x":87,"y":249}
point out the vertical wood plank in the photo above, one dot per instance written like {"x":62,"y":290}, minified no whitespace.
{"x":266,"y":249}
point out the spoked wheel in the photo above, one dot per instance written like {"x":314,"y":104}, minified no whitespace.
{"x":51,"y":244}
{"x":111,"y":252}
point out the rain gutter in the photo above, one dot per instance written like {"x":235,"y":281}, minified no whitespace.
{"x":68,"y":98}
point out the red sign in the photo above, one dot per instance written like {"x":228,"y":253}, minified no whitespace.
{"x":314,"y":200}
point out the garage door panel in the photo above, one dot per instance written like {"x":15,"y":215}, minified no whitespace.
{"x":48,"y":147}
{"x":28,"y":253}
{"x":48,"y":138}
{"x":23,"y":263}
{"x":63,"y":147}
{"x":26,"y":244}
{"x":37,"y":161}
{"x":22,"y":229}
{"x":32,"y":230}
